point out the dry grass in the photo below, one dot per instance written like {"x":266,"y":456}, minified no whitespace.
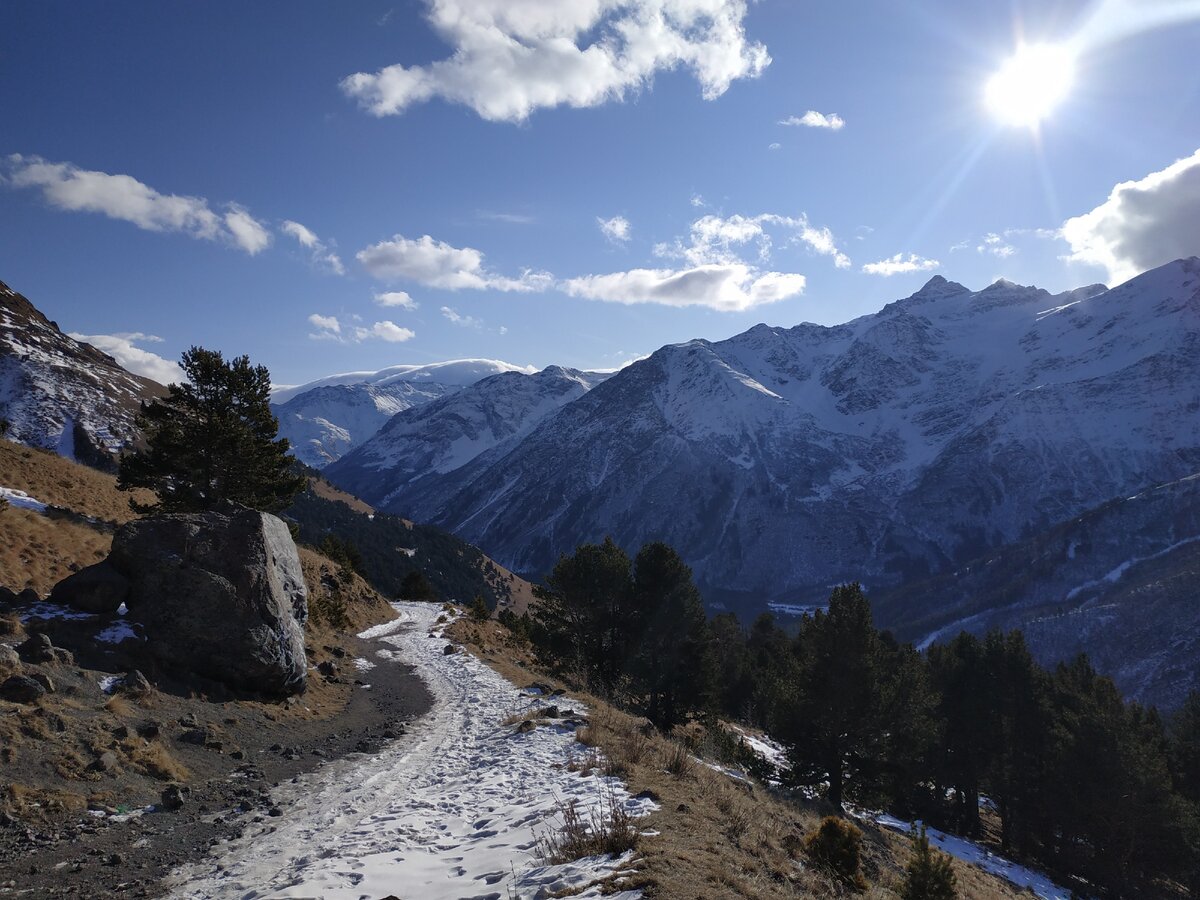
{"x":327,"y":491}
{"x":718,"y":837}
{"x":607,"y":829}
{"x":362,"y":605}
{"x":38,"y":552}
{"x":60,"y":482}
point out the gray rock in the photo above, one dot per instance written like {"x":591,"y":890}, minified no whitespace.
{"x":44,"y":680}
{"x":36,"y":649}
{"x":220,"y":594}
{"x":96,"y":589}
{"x":9,"y":660}
{"x":21,"y":689}
{"x":135,"y":683}
{"x":173,"y":797}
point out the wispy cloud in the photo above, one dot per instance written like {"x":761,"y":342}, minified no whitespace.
{"x":322,"y":255}
{"x":68,"y":187}
{"x":510,"y":59}
{"x":899,"y":265}
{"x":506,"y":217}
{"x":123,"y":348}
{"x":718,"y":239}
{"x":460,"y":320}
{"x":437,"y":264}
{"x":616,"y":229}
{"x":814,"y":119}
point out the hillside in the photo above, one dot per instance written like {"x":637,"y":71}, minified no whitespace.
{"x":61,"y":394}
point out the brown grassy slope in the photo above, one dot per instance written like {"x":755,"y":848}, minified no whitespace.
{"x":327,"y":491}
{"x":717,"y":837}
{"x":60,"y":482}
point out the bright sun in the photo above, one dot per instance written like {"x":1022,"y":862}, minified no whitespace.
{"x":1030,"y":84}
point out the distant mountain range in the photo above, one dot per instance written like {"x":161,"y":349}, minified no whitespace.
{"x":327,"y":418}
{"x":894,"y":449}
{"x":1003,"y":457}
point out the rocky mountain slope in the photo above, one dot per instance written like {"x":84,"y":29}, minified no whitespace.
{"x":326,"y":418}
{"x":426,"y":454}
{"x":61,"y":394}
{"x":887,"y":449}
{"x":1117,"y":582}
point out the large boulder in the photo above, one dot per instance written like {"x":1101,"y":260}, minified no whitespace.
{"x":220,"y":594}
{"x":96,"y":589}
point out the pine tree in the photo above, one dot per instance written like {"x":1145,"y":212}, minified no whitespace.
{"x":830,"y":721}
{"x":929,"y":874}
{"x":966,"y":746}
{"x":212,"y":439}
{"x":671,"y":662}
{"x":582,"y":622}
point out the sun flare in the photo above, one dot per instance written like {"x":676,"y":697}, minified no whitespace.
{"x":1030,"y":84}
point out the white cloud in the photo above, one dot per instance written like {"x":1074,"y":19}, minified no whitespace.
{"x":330,"y":329}
{"x":898,"y":265}
{"x":723,"y":287}
{"x":122,"y":197}
{"x":615,"y":229}
{"x":512,"y":57}
{"x":995,"y":245}
{"x":460,"y":320}
{"x":697,"y":201}
{"x":713,"y":239}
{"x":322,"y":255}
{"x":121,"y":347}
{"x":396,"y":298}
{"x":509,"y":218}
{"x":1142,"y":224}
{"x":775,"y":145}
{"x":248,"y":233}
{"x":814,"y":119}
{"x":436,"y":264}
{"x":385,"y":331}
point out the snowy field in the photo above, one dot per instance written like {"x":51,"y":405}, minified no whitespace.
{"x":452,"y":810}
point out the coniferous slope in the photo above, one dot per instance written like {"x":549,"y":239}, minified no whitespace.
{"x":1110,"y":582}
{"x":61,"y":394}
{"x":890,"y":448}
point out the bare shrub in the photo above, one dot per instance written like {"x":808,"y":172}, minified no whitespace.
{"x":607,"y":830}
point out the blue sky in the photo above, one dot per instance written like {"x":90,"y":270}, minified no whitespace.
{"x":573,"y":183}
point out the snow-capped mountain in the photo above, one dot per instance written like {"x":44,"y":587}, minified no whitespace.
{"x":426,"y":454}
{"x":62,"y":394}
{"x":325,"y":419}
{"x":784,"y":460}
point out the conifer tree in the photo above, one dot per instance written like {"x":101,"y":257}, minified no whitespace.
{"x":929,"y":874}
{"x":582,"y":621}
{"x":830,"y":721}
{"x":671,"y":663}
{"x":213,"y":438}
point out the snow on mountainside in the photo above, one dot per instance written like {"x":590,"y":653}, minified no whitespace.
{"x":62,"y":394}
{"x":452,"y":372}
{"x":325,"y":423}
{"x":423,"y":454}
{"x":327,"y":418}
{"x":783,"y":460}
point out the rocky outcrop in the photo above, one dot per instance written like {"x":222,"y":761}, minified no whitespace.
{"x":220,"y":594}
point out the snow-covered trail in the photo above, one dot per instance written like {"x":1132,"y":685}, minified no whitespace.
{"x":452,"y":810}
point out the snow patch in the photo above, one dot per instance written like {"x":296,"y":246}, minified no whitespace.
{"x":116,"y":633}
{"x":22,"y":500}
